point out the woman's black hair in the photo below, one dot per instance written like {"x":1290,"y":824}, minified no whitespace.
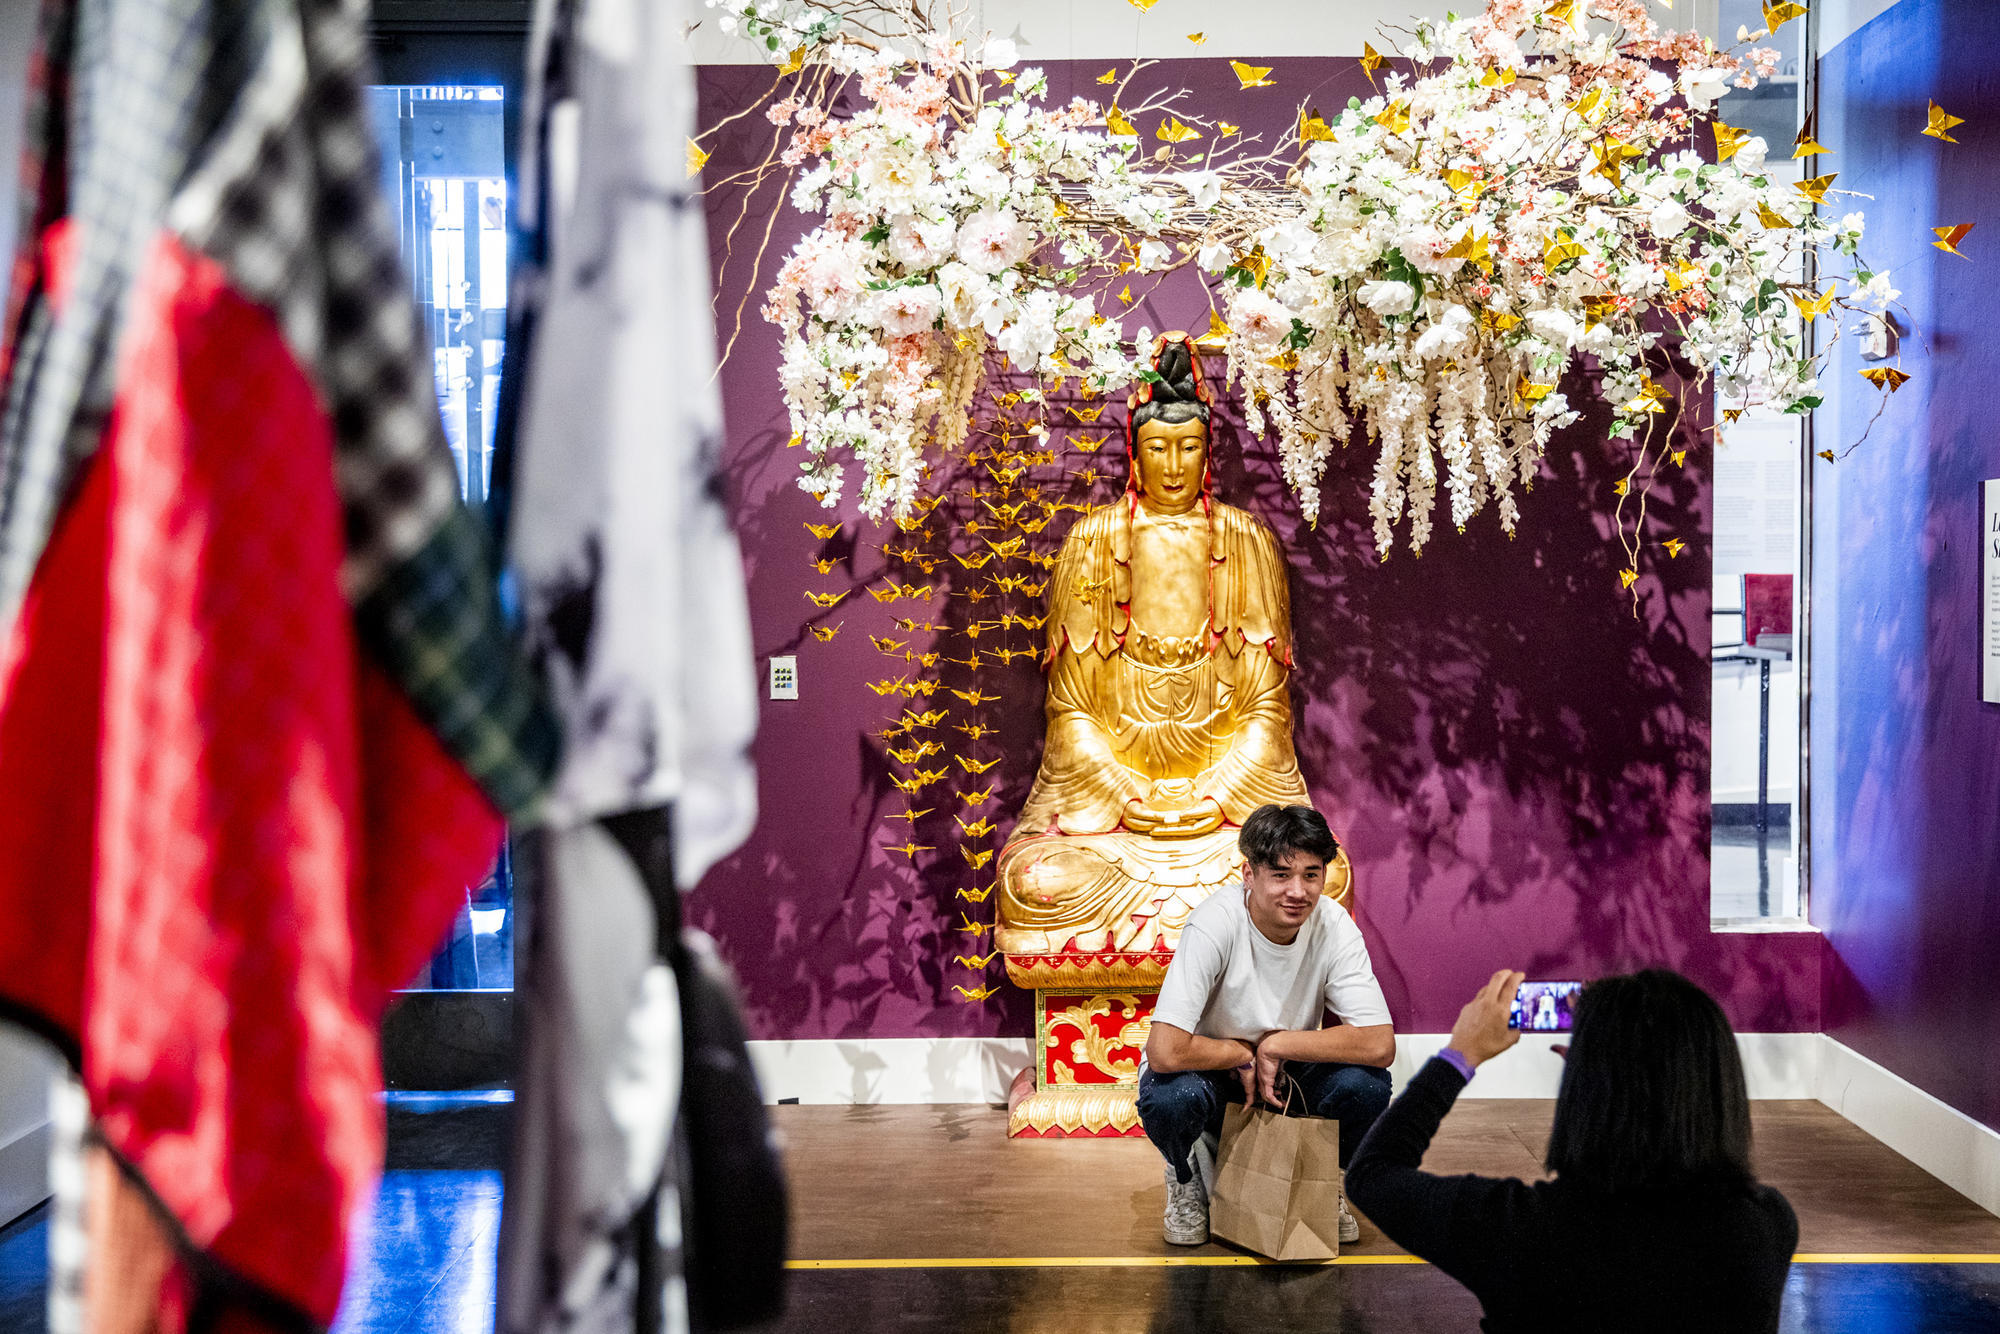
{"x":1273,"y":833}
{"x":1652,"y":1093}
{"x":1175,"y":398}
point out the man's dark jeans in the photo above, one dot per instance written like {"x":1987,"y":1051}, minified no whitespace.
{"x":1178,"y":1109}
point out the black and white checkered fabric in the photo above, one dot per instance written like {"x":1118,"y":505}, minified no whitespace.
{"x":241,"y":127}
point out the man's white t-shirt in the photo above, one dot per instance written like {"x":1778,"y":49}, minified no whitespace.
{"x":1228,"y":980}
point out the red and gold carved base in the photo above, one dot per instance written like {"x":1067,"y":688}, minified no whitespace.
{"x":1085,"y":1081}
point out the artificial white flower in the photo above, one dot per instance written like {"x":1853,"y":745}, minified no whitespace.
{"x":1153,"y":255}
{"x":909,"y":309}
{"x":1702,"y":87}
{"x":1668,"y":219}
{"x":918,"y":242}
{"x":994,"y":239}
{"x":1877,"y":292}
{"x":1000,"y":53}
{"x":1203,"y":187}
{"x":1259,"y":321}
{"x":1750,"y":157}
{"x":1388,"y":297}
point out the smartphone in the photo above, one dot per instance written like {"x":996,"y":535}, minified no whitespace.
{"x":1544,"y":1007}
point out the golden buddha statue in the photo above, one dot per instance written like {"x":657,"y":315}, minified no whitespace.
{"x":1169,"y":649}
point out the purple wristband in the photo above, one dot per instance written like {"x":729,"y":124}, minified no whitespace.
{"x":1456,"y":1060}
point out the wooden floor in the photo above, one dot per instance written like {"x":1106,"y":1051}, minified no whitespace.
{"x":873,"y":1183}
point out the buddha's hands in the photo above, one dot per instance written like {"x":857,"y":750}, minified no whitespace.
{"x":1142,"y":816}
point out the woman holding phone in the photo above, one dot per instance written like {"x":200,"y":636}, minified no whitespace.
{"x":1653,"y":1220}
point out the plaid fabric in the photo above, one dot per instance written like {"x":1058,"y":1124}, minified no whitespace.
{"x":241,"y":125}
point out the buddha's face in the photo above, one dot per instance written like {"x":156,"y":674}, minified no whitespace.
{"x":1171,"y":458}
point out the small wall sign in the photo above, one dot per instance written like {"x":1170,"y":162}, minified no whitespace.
{"x":1989,"y":621}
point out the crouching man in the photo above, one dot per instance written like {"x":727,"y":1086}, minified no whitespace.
{"x":1239,"y":1015}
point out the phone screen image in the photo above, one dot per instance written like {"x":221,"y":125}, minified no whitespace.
{"x":1544,"y":1007}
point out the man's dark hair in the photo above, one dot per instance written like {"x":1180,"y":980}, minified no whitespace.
{"x":1273,"y":833}
{"x":1652,"y":1093}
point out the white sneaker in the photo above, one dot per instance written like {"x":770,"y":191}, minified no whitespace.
{"x":1187,"y":1211}
{"x":1350,"y":1231}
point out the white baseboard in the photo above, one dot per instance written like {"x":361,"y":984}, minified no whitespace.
{"x":978,"y":1070}
{"x":890,"y":1070}
{"x":1951,"y":1146}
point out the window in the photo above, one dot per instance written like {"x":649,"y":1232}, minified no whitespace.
{"x":1756,"y":783}
{"x":444,"y":175}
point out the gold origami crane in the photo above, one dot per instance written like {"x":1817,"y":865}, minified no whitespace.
{"x":982,"y":993}
{"x":1085,"y":415}
{"x":974,"y":730}
{"x":913,"y":625}
{"x":977,"y":860}
{"x":888,"y":687}
{"x":909,"y":815}
{"x":1949,"y":237}
{"x":907,"y":786}
{"x":1771,"y":218}
{"x":1116,"y":121}
{"x":929,"y":775}
{"x":922,"y":720}
{"x":1007,"y":655}
{"x":909,"y":850}
{"x":825,"y":600}
{"x":975,"y":766}
{"x":1940,"y":123}
{"x":885,"y":645}
{"x":825,"y":564}
{"x":824,"y":531}
{"x":1808,"y":142}
{"x":975,"y":895}
{"x":1777,"y":14}
{"x":1371,"y":60}
{"x":1314,"y":129}
{"x":1395,"y":118}
{"x":1252,"y":76}
{"x":979,"y":798}
{"x":825,"y":633}
{"x":1006,"y":550}
{"x":1142,"y":5}
{"x":979,"y":961}
{"x":972,"y":928}
{"x":975,"y":696}
{"x":979,"y":828}
{"x":1560,"y":250}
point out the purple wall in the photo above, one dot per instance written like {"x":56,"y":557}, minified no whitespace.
{"x":1518,"y":763}
{"x":1906,"y":760}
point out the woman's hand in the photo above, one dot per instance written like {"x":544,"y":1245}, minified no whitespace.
{"x":1481,"y":1032}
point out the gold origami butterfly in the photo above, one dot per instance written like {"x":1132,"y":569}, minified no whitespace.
{"x":1251,"y":76}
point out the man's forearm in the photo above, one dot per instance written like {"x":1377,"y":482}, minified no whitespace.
{"x":1344,"y":1045}
{"x":1200,"y":1053}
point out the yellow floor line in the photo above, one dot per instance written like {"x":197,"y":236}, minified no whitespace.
{"x":1166,"y":1261}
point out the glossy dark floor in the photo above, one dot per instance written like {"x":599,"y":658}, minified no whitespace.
{"x":1069,"y":1235}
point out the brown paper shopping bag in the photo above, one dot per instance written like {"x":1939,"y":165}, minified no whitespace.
{"x":1277,"y":1184}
